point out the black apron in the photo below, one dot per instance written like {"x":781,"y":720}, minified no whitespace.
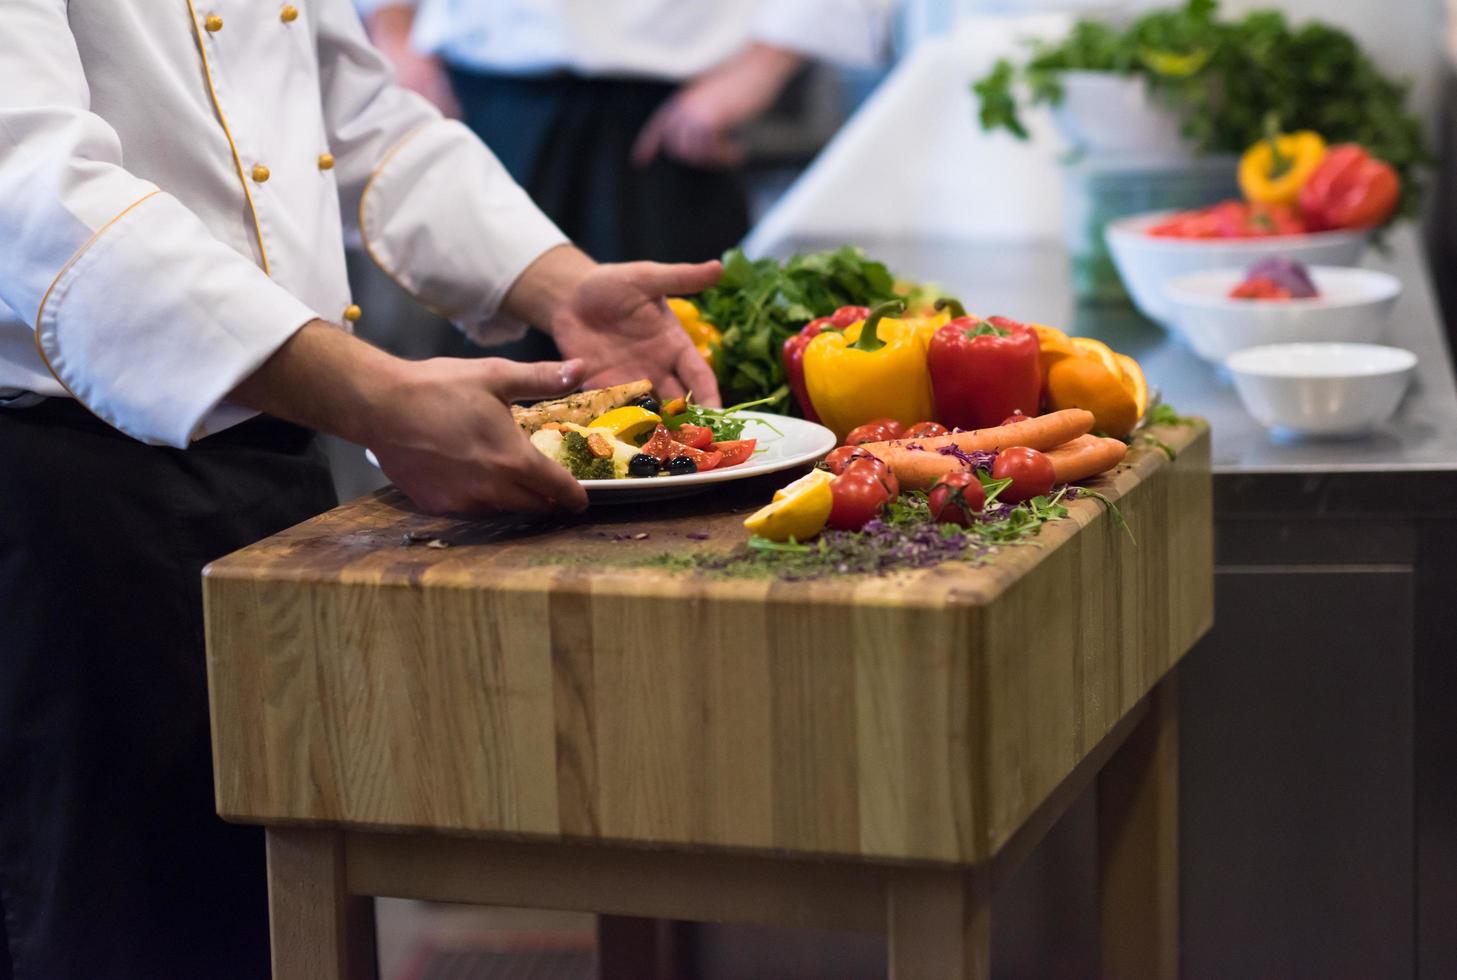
{"x":113,"y":863}
{"x":568,"y":140}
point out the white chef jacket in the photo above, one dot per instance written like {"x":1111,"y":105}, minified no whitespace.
{"x":175,"y":183}
{"x":662,"y":39}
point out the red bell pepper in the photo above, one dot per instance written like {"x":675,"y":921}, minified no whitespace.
{"x":1350,"y":189}
{"x":793,"y":354}
{"x":983,"y":370}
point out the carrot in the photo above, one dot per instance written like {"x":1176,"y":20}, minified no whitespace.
{"x":1084,"y":457}
{"x":918,"y":463}
{"x":1042,"y":433}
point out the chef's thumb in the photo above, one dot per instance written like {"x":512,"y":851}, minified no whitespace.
{"x":513,"y":381}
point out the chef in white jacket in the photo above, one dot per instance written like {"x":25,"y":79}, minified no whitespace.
{"x":176,"y":181}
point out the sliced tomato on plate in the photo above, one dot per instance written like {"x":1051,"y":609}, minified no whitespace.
{"x":660,"y":446}
{"x":735,"y":452}
{"x":697,"y":436}
{"x":705,"y":461}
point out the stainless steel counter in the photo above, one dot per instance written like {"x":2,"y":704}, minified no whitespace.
{"x":1031,"y":283}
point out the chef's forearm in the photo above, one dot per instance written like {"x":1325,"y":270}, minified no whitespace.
{"x":326,"y":379}
{"x":547,"y":285}
{"x":390,"y":24}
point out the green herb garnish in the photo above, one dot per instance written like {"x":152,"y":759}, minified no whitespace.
{"x":577,"y":456}
{"x":724,"y":422}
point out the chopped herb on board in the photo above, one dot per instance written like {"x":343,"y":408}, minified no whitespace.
{"x":902,"y":540}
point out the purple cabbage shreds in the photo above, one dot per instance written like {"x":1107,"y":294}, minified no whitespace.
{"x":1292,"y":275}
{"x":996,"y":512}
{"x":915,"y":447}
{"x":1070,"y":492}
{"x":976,"y":460}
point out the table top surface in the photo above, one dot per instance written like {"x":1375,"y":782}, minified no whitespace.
{"x":381,"y":539}
{"x":1031,"y":282}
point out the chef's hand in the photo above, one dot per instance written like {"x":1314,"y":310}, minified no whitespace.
{"x":441,"y":429}
{"x":696,"y":125}
{"x":452,"y":446}
{"x":614,"y":318}
{"x":389,"y":28}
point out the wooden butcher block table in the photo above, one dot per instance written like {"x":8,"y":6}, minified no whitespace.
{"x":509,"y":716}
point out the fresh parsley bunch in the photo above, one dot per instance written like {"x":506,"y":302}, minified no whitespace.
{"x":1226,"y":77}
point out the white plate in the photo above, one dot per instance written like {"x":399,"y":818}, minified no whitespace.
{"x":797,"y":443}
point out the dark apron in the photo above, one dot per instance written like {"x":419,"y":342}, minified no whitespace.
{"x":113,"y":864}
{"x":568,"y":140}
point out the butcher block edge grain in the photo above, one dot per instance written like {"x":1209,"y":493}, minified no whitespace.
{"x":921,"y":717}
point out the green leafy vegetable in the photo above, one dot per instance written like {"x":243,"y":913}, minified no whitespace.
{"x":1226,"y":77}
{"x":759,"y":304}
{"x":726,"y":423}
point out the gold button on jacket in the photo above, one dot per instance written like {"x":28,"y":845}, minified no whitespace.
{"x":326,"y":161}
{"x":261,"y":173}
{"x":288,"y":14}
{"x":213,"y":23}
{"x":352,"y":313}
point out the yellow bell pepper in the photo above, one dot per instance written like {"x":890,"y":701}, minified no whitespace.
{"x":705,"y":336}
{"x":871,"y":370}
{"x":1273,"y":171}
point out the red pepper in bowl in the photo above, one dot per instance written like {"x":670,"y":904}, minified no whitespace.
{"x":982,"y":370}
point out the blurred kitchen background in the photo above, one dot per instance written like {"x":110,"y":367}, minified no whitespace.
{"x":851,"y":155}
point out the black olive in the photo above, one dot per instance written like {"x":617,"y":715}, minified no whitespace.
{"x":642,"y":465}
{"x":682,"y":466}
{"x":649,"y":403}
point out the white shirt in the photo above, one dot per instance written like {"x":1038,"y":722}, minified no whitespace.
{"x":175,"y":184}
{"x":663,"y":39}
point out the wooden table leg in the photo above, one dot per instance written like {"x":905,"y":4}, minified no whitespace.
{"x":319,"y":931}
{"x":1138,"y":846}
{"x":939,"y":926}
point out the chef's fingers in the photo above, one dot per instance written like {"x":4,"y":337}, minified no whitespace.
{"x":546,"y":481}
{"x":677,"y":279}
{"x":698,"y":376}
{"x":669,"y":388}
{"x":650,"y":138}
{"x":512,"y":380}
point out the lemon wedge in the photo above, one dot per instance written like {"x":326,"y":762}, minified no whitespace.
{"x":626,"y":422}
{"x":798,"y":511}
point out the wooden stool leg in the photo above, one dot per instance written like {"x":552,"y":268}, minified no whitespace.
{"x":1138,"y":846}
{"x":939,"y":926}
{"x":319,"y":931}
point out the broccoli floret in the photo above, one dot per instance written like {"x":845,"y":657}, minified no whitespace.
{"x":577,"y":457}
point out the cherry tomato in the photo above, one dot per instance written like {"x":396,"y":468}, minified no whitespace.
{"x":734,"y":452}
{"x":697,"y":436}
{"x":840,"y":459}
{"x":1031,"y":474}
{"x":846,"y":315}
{"x":891,"y":426}
{"x":1014,"y":419}
{"x":818,"y":326}
{"x":869,"y":432}
{"x":955,"y":498}
{"x":925,"y":430}
{"x":860,"y":494}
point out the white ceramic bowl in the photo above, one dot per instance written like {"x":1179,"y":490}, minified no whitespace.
{"x":1354,"y":306}
{"x":1147,"y":263}
{"x":1322,"y":389}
